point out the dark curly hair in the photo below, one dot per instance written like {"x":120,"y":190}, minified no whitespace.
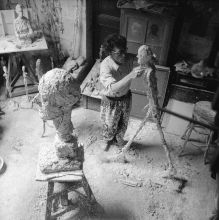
{"x":114,"y":40}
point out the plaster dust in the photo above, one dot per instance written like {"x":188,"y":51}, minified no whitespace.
{"x":135,"y":190}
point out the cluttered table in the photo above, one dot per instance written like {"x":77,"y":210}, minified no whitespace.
{"x":197,"y":76}
{"x":9,"y":44}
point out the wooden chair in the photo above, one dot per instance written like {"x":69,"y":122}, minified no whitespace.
{"x":77,"y":180}
{"x":202,"y":112}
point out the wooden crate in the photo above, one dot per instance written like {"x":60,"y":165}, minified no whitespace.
{"x":92,"y":103}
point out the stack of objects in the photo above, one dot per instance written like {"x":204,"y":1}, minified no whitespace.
{"x":197,"y":70}
{"x":170,"y":7}
{"x":92,"y":85}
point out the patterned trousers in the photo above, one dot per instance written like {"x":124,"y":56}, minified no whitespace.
{"x":114,"y":114}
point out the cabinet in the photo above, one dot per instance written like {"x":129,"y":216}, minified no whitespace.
{"x":146,"y":28}
{"x":207,"y":83}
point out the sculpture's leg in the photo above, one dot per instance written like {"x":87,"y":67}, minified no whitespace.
{"x":128,"y":145}
{"x":165,"y":146}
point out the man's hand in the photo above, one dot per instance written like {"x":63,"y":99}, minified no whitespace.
{"x":137,"y":71}
{"x":30,"y":35}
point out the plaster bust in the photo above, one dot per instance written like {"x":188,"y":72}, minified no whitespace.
{"x":145,"y":56}
{"x":22,"y":27}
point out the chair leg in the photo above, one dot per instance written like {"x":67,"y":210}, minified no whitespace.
{"x":186,"y":139}
{"x":49,"y":200}
{"x":208,"y":146}
{"x":88,"y":190}
{"x":185,"y":132}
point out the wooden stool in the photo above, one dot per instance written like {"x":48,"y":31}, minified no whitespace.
{"x":74,"y":178}
{"x":202,"y":112}
{"x":77,"y":180}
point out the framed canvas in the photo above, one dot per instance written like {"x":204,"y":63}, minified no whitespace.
{"x":136,"y":29}
{"x":147,"y":28}
{"x":139,"y":96}
{"x":155,"y":32}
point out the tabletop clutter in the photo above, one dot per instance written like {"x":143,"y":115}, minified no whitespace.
{"x":197,"y":70}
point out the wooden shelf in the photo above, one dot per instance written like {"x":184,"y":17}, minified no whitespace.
{"x":206,"y":83}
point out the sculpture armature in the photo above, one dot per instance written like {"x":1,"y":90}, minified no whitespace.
{"x":145,"y":60}
{"x":22,"y":27}
{"x":59,"y":91}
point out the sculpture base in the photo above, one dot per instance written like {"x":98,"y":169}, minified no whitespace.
{"x":49,"y":162}
{"x":66,"y":149}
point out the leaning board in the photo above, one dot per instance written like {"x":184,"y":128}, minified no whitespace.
{"x":139,"y":98}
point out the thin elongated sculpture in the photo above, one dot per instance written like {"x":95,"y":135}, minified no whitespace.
{"x":145,"y":59}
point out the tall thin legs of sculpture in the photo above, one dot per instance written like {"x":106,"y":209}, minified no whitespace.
{"x":145,"y":59}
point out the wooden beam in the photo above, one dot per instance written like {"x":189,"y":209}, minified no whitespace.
{"x":2,"y":22}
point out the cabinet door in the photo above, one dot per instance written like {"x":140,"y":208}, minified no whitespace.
{"x":146,"y":28}
{"x":134,"y":28}
{"x":155,"y":37}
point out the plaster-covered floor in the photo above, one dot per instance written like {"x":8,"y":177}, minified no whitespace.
{"x":22,"y":198}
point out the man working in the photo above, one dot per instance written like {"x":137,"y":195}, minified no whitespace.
{"x":116,"y":95}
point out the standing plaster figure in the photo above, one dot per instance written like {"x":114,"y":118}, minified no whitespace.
{"x":22,"y":27}
{"x":25,"y":81}
{"x":58,"y":92}
{"x":6,"y":76}
{"x":146,"y":61}
{"x":8,"y":86}
{"x":39,"y":69}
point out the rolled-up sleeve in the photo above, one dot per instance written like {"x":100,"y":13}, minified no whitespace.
{"x":106,"y":79}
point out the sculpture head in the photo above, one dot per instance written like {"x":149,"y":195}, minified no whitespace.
{"x":19,"y":10}
{"x":145,"y":55}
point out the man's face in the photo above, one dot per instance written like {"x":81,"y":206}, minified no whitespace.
{"x":118,"y":55}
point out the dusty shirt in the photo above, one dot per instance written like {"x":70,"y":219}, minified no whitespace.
{"x":111,"y":72}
